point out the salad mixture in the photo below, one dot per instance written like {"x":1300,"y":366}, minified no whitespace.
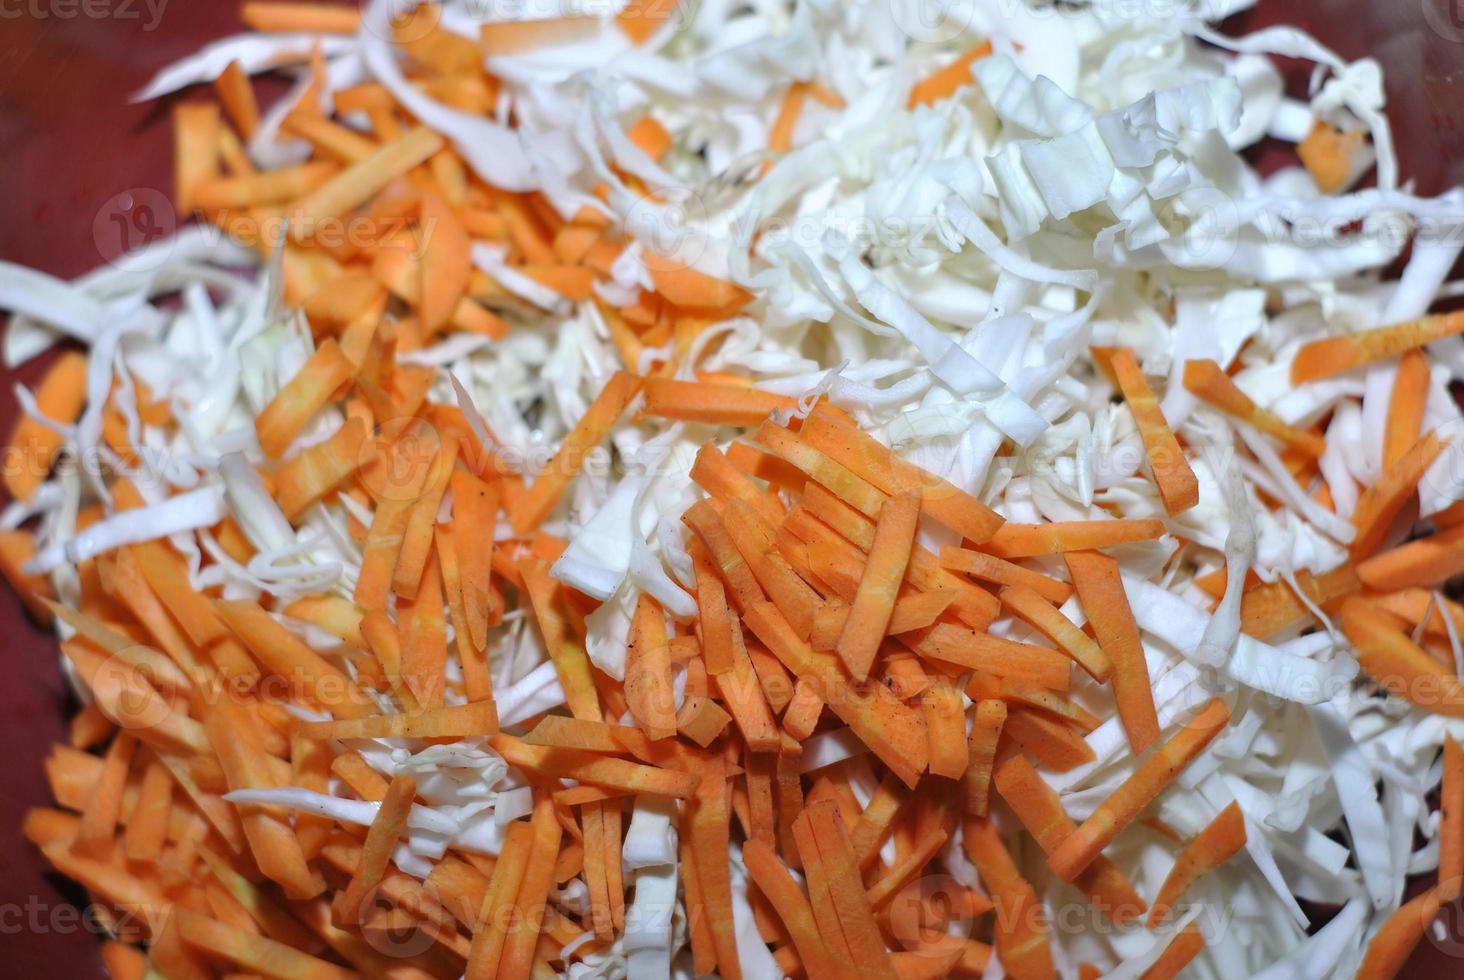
{"x":787,"y":488}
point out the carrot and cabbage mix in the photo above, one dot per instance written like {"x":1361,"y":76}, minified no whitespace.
{"x":787,"y":489}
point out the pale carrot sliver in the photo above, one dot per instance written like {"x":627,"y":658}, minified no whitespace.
{"x":1031,"y":540}
{"x":774,"y":881}
{"x":423,"y":627}
{"x":126,"y":697}
{"x":356,"y":184}
{"x":1338,"y":355}
{"x":195,"y":150}
{"x":1121,"y":807}
{"x":1425,"y":562}
{"x":989,"y":568}
{"x":544,"y":493}
{"x":147,"y":825}
{"x":445,"y":262}
{"x":1217,"y":843}
{"x":757,"y":544}
{"x":648,"y":688}
{"x":280,"y":17}
{"x":1209,"y":382}
{"x":1451,"y":825}
{"x":517,"y":959}
{"x":944,"y":83}
{"x":587,"y":767}
{"x":827,"y":854}
{"x":945,"y":720}
{"x":986,"y":725}
{"x":780,"y":136}
{"x":1053,"y":742}
{"x":714,"y":473}
{"x":60,"y":396}
{"x":304,"y":395}
{"x":475,"y":508}
{"x":1396,"y":663}
{"x":412,"y":558}
{"x":1181,"y":951}
{"x":1330,"y":154}
{"x":1022,"y":941}
{"x":743,"y":696}
{"x":319,"y":469}
{"x":1039,"y":808}
{"x":889,"y":556}
{"x":1399,"y":936}
{"x":714,"y":616}
{"x":1048,"y":620}
{"x":1100,"y":589}
{"x":842,"y":482}
{"x":381,"y":838}
{"x":236,"y":95}
{"x":569,"y":657}
{"x":283,"y":654}
{"x":1176,"y":482}
{"x":691,"y":289}
{"x":477,"y":718}
{"x":973,"y":650}
{"x":103,"y":811}
{"x":1396,"y":485}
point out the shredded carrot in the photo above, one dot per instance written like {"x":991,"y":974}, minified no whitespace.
{"x":986,"y":727}
{"x":297,"y":402}
{"x":1451,"y":825}
{"x":195,"y":151}
{"x":1051,"y":741}
{"x":991,"y":569}
{"x":945,"y":721}
{"x":1022,"y":942}
{"x":1398,"y":664}
{"x":356,"y":184}
{"x":1012,"y":541}
{"x":1048,"y":620}
{"x":1406,"y":408}
{"x":1338,"y":355}
{"x":690,"y":289}
{"x":1083,"y":846}
{"x":1382,"y":502}
{"x":1399,"y":936}
{"x":17,"y":548}
{"x":1217,"y":843}
{"x":1100,"y":589}
{"x":1182,"y":949}
{"x":279,"y":18}
{"x":648,"y":688}
{"x":945,"y":82}
{"x":99,"y":819}
{"x":569,"y":657}
{"x":793,"y":908}
{"x":236,"y":95}
{"x":60,"y":397}
{"x":1172,"y":475}
{"x":381,"y":838}
{"x":889,"y":555}
{"x":722,"y":481}
{"x":690,"y":401}
{"x":1209,"y":381}
{"x":1425,"y":562}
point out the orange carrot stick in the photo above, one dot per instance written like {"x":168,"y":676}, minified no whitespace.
{"x":1051,"y":741}
{"x":60,"y":397}
{"x":1182,"y":949}
{"x":1048,"y":620}
{"x":281,"y":18}
{"x":412,"y":557}
{"x":1100,"y":589}
{"x":1021,"y":930}
{"x":648,"y":672}
{"x":991,"y":569}
{"x":690,"y":401}
{"x":1426,"y":562}
{"x":774,"y":881}
{"x":945,"y":720}
{"x":284,"y":655}
{"x":1382,"y":501}
{"x":1337,"y":355}
{"x":1172,"y":475}
{"x":529,"y":906}
{"x":943,"y":83}
{"x":103,"y":810}
{"x":986,"y":727}
{"x":381,"y":839}
{"x":357,"y":184}
{"x":1399,"y":936}
{"x":1081,"y":847}
{"x":742,"y":585}
{"x":712,"y":471}
{"x":475,"y":510}
{"x":1451,"y":825}
{"x":320,"y":469}
{"x":570,"y":660}
{"x":690,"y":289}
{"x":1217,"y":843}
{"x":1406,"y":408}
{"x":743,"y":696}
{"x":1013,"y":541}
{"x":298,"y":401}
{"x":889,"y":556}
{"x":1397,"y":664}
{"x":147,"y":826}
{"x":1208,"y":381}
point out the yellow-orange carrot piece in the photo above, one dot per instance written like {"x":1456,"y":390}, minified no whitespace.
{"x":446,"y":265}
{"x":522,"y":938}
{"x":893,"y":731}
{"x":341,"y":142}
{"x":283,"y":654}
{"x":742,"y":695}
{"x":17,"y":548}
{"x":1425,"y":562}
{"x":1399,"y":935}
{"x":1182,"y":949}
{"x":273,"y":843}
{"x":1208,"y":381}
{"x":1140,"y":789}
{"x":889,"y":556}
{"x":989,"y":568}
{"x":104,"y":809}
{"x":1039,"y":808}
{"x":943,"y":83}
{"x":236,"y":95}
{"x":986,"y":725}
{"x":1398,"y":664}
{"x":147,"y":825}
{"x":780,"y":135}
{"x":648,"y":688}
{"x":356,"y":184}
{"x":712,"y":471}
{"x":571,"y":662}
{"x":544,"y":493}
{"x":498,"y":903}
{"x":1013,"y":541}
{"x":703,"y":519}
{"x":319,"y":469}
{"x":1274,"y":607}
{"x":819,"y":467}
{"x":412,"y":558}
{"x":691,"y":289}
{"x":253,"y":952}
{"x":757,"y":544}
{"x":1337,"y":355}
{"x":588,"y":767}
{"x":801,"y":715}
{"x":997,"y":655}
{"x":1051,"y":741}
{"x":708,"y":826}
{"x":381,"y":839}
{"x":1330,"y":154}
{"x":195,"y":150}
{"x":1406,"y":407}
{"x":774,"y":881}
{"x":475,"y":511}
{"x":701,"y":720}
{"x":1022,"y":693}
{"x":945,"y":721}
{"x":123,"y":961}
{"x":274,"y":17}
{"x":1451,"y":824}
{"x":827,"y":854}
{"x":876,"y":463}
{"x":1100,"y":589}
{"x":261,"y":190}
{"x":1021,"y":931}
{"x":1382,"y":501}
{"x":477,"y":718}
{"x":126,"y":697}
{"x":714,"y":616}
{"x":1048,"y":620}
{"x":1172,"y":475}
{"x":423,"y":627}
{"x":60,"y":397}
{"x":298,"y":401}
{"x":1217,"y":843}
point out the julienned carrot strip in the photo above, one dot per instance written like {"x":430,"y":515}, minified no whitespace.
{"x":757,"y":543}
{"x":1273,"y":608}
{"x":952,"y":644}
{"x":803,"y":711}
{"x":123,"y":961}
{"x":273,"y":843}
{"x":1173,"y":477}
{"x":1021,"y":926}
{"x":709,"y":828}
{"x":1400,"y":934}
{"x":1406,"y":408}
{"x":986,"y":725}
{"x":1182,"y":949}
{"x":944,"y":83}
{"x":1048,"y":620}
{"x":874,"y":462}
{"x":819,"y":467}
{"x":889,"y":556}
{"x":17,"y":548}
{"x":446,"y":265}
{"x":780,"y":135}
{"x":648,"y":688}
{"x":774,"y":881}
{"x":1013,"y":541}
{"x":147,"y":825}
{"x":1451,"y":825}
{"x":283,"y":654}
{"x":713,"y":615}
{"x":341,"y":142}
{"x":1382,"y":501}
{"x":701,"y":720}
{"x":251,"y":951}
{"x":1425,"y":562}
{"x":989,"y":568}
{"x":498,"y":903}
{"x":304,"y":395}
{"x":840,"y":937}
{"x":743,"y":696}
{"x":1024,"y":694}
{"x":1337,"y":355}
{"x":475,"y":510}
{"x":571,"y":662}
{"x":1398,"y":664}
{"x":316,"y":18}
{"x":381,"y":838}
{"x":544,"y":493}
{"x":1100,"y":589}
{"x":196,"y":128}
{"x":945,"y":720}
{"x":319,"y":469}
{"x":516,"y":962}
{"x":1217,"y":843}
{"x":236,"y":95}
{"x":893,"y":731}
{"x":690,"y":289}
{"x":99,"y":820}
{"x":742,"y":585}
{"x":477,"y":718}
{"x":126,"y":697}
{"x":356,"y":184}
{"x":1039,"y":808}
{"x":723,"y":481}
{"x":413,"y":556}
{"x":588,"y":767}
{"x":60,"y":397}
{"x":1051,"y":741}
{"x":260,"y":190}
{"x":1137,"y":791}
{"x":1208,"y":381}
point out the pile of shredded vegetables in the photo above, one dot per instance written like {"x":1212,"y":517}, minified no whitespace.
{"x":770,"y":489}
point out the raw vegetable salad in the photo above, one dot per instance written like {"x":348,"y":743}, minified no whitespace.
{"x":775,"y":489}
